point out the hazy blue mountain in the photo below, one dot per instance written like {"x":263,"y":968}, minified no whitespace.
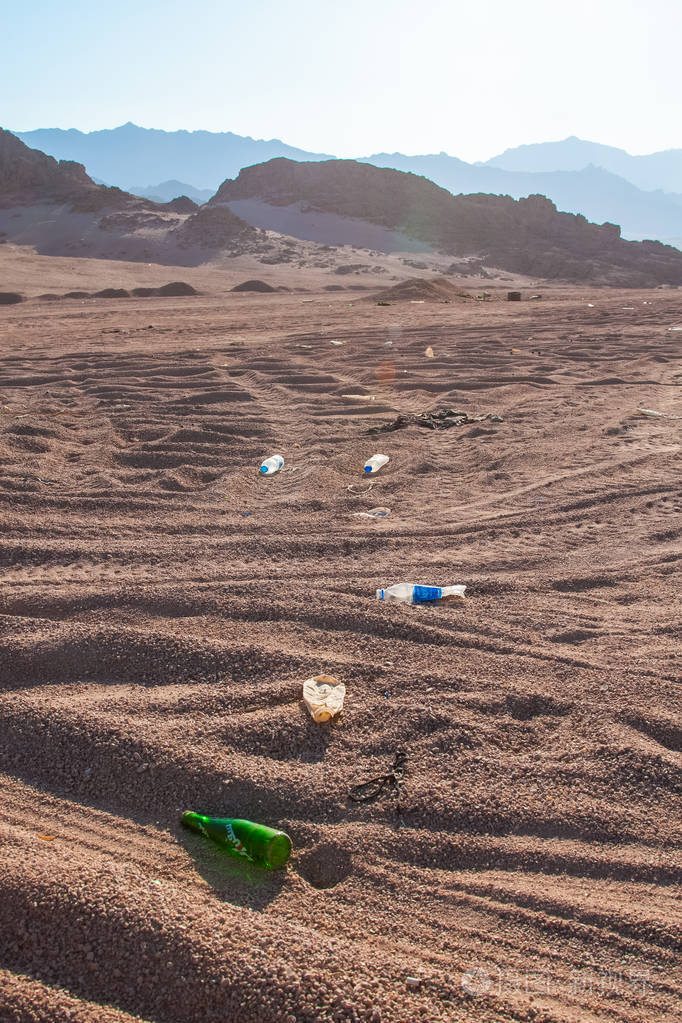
{"x":661,"y":170}
{"x":125,"y":155}
{"x":169,"y":190}
{"x":597,"y":194}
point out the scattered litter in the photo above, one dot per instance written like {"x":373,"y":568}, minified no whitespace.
{"x":38,"y":479}
{"x":336,"y":342}
{"x":383,"y":303}
{"x":513,"y":296}
{"x":628,"y":308}
{"x":410,"y":593}
{"x":121,"y":408}
{"x":255,"y":842}
{"x":484,"y":296}
{"x":375,"y":463}
{"x":534,"y":298}
{"x":669,"y":328}
{"x":374,"y":513}
{"x":441,"y":419}
{"x":429,"y":352}
{"x":357,"y":490}
{"x":156,"y":881}
{"x":271,"y":465}
{"x":656,"y":415}
{"x":417,"y":301}
{"x":323,"y":696}
{"x":413,"y":982}
{"x":304,"y":346}
{"x":590,"y":305}
{"x":368,"y":791}
{"x":516,"y":350}
{"x":387,"y":344}
{"x":360,"y":397}
{"x":47,"y":838}
{"x":307,"y":300}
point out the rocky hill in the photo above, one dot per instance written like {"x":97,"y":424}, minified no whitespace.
{"x":598,"y":194}
{"x":527,"y":236}
{"x":28,"y":174}
{"x":57,"y":209}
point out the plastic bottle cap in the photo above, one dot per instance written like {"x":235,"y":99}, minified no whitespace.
{"x":368,"y":468}
{"x":263,"y":468}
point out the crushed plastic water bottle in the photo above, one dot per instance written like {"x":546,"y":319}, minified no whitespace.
{"x":323,"y":695}
{"x":271,"y":465}
{"x":375,"y":463}
{"x":410,"y":593}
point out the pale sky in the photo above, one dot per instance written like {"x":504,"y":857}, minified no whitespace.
{"x":353,"y":77}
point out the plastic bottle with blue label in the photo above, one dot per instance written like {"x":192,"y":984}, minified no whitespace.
{"x":271,"y":465}
{"x":410,"y":593}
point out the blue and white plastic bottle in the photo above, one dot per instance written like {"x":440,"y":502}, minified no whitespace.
{"x":375,"y":463}
{"x":271,"y":465}
{"x":410,"y":593}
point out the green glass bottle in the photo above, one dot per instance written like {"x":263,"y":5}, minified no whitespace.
{"x":255,"y":842}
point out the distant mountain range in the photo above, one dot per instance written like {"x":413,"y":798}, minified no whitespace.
{"x":655,"y":171}
{"x":56,"y":208}
{"x":127,"y":155}
{"x":642,"y":194}
{"x":168,"y":190}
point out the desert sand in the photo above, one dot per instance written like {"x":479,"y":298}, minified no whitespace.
{"x":161,"y":606}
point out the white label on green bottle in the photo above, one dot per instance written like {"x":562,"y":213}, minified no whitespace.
{"x":236,"y":844}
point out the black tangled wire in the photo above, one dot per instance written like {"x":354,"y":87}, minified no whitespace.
{"x":368,"y":791}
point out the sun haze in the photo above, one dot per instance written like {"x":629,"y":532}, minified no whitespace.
{"x":352,"y":79}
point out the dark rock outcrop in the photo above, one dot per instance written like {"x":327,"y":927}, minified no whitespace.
{"x":254,"y":286}
{"x":177,"y":289}
{"x":29,"y":173}
{"x":527,"y":236}
{"x":183,"y":204}
{"x":217,"y":228}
